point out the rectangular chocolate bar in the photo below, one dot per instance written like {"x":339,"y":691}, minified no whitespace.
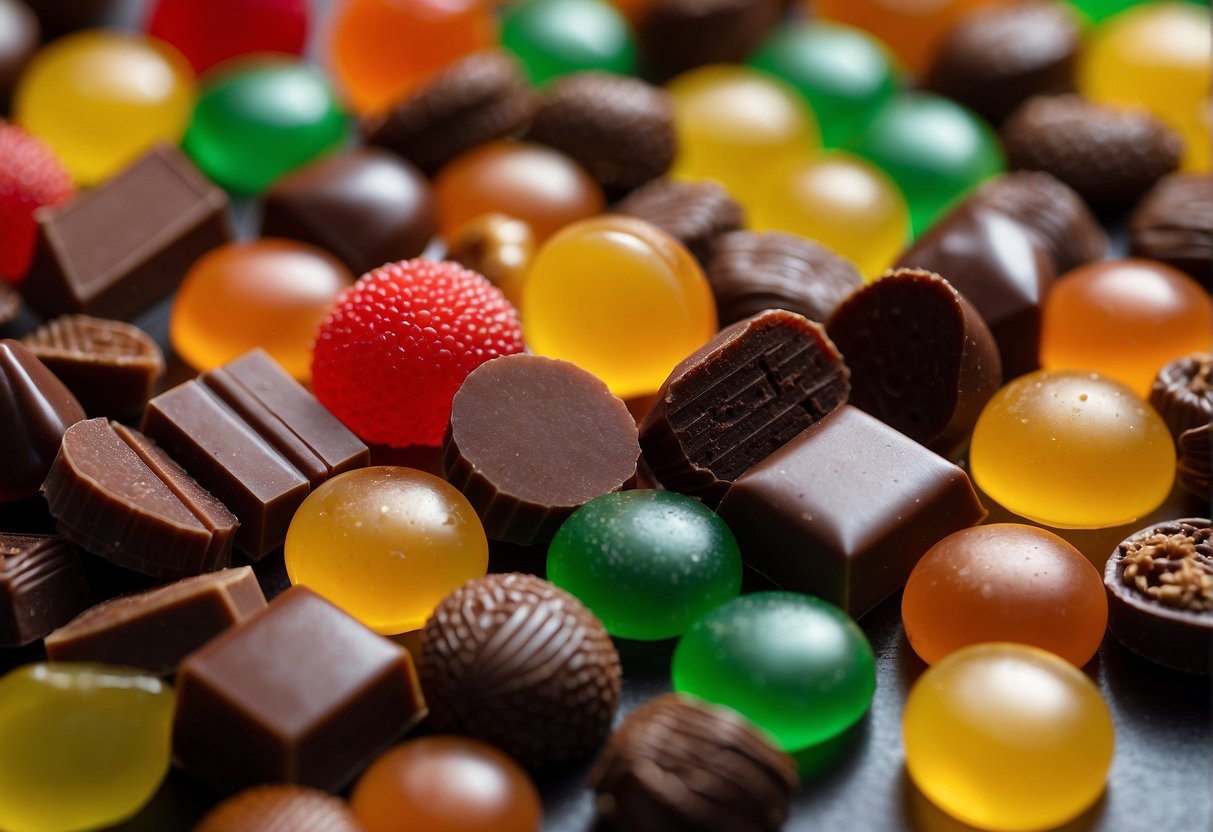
{"x":41,"y":586}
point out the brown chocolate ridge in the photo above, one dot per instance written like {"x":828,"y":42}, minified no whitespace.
{"x":1182,"y":393}
{"x":41,"y":586}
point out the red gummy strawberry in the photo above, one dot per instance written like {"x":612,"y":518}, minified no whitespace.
{"x":392,"y":353}
{"x":30,"y":176}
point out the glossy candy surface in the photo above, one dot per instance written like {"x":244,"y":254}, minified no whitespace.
{"x":618,"y":298}
{"x":101,"y":98}
{"x":82,"y":746}
{"x":1072,"y":450}
{"x":794,"y":665}
{"x":212,"y":31}
{"x":911,"y":28}
{"x":1008,"y":737}
{"x":647,"y":563}
{"x":555,"y":37}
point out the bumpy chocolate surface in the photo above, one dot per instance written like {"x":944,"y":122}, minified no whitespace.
{"x":680,"y":765}
{"x":695,"y":214}
{"x":1173,"y":224}
{"x":41,"y":586}
{"x":513,"y":660}
{"x":1183,"y":393}
{"x":280,"y":809}
{"x":1195,"y":464}
{"x":677,"y":35}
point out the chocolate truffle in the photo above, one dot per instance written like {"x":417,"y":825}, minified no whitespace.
{"x":19,"y":38}
{"x":695,"y":214}
{"x":41,"y":586}
{"x":677,"y":35}
{"x":280,"y":808}
{"x":1183,"y":393}
{"x":1173,"y":224}
{"x":1195,"y":463}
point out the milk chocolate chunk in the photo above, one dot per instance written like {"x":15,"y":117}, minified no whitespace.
{"x":117,"y":495}
{"x":695,"y":214}
{"x":1195,"y":464}
{"x":1173,"y":224}
{"x":1182,"y":393}
{"x":41,"y":586}
{"x":845,"y":510}
{"x":921,"y":358}
{"x":677,"y":35}
{"x":112,"y":367}
{"x":738,"y":398}
{"x":280,"y":808}
{"x":156,"y":629}
{"x":298,"y":693}
{"x":116,"y":249}
{"x":35,"y":411}
{"x":1160,"y":594}
{"x":531,"y":439}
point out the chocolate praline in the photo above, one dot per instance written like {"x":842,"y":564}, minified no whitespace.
{"x":695,"y":214}
{"x":1183,"y":393}
{"x":1173,"y":224}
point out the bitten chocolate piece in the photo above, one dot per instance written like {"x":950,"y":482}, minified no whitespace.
{"x":1160,"y":594}
{"x":845,"y":510}
{"x":367,"y":206}
{"x":676,"y":764}
{"x":116,"y":249}
{"x":41,"y":586}
{"x":1173,"y":224}
{"x":1195,"y":464}
{"x":117,"y":495}
{"x":738,"y":398}
{"x":158,"y":628}
{"x":280,"y":808}
{"x":677,"y":35}
{"x":750,"y":272}
{"x":531,"y":439}
{"x":298,"y":693}
{"x":921,"y":359}
{"x":513,"y":660}
{"x":112,"y":367}
{"x":1183,"y":393}
{"x":695,"y":214}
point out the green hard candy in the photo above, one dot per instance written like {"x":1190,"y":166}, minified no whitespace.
{"x":259,"y":121}
{"x":556,"y":37}
{"x":845,"y":75}
{"x":796,"y":666}
{"x":647,"y":563}
{"x":1097,"y":10}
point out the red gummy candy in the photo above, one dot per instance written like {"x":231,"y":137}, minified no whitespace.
{"x":392,"y":353}
{"x":31,"y":176}
{"x":208,"y":32}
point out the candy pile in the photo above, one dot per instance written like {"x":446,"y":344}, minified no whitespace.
{"x":646,"y":399}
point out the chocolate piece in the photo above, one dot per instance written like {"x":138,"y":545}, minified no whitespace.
{"x":1195,"y":464}
{"x":676,"y":763}
{"x":1160,"y":594}
{"x":41,"y":586}
{"x":677,"y":35}
{"x":1173,"y":224}
{"x":298,"y":693}
{"x":112,"y":367}
{"x":517,"y":662}
{"x":35,"y":410}
{"x":1000,"y":267}
{"x":921,"y":359}
{"x":20,"y":35}
{"x":695,"y":214}
{"x":750,"y":272}
{"x":113,"y":492}
{"x":280,"y":809}
{"x":1183,"y":393}
{"x":846,"y":509}
{"x":497,"y":246}
{"x":156,"y":629}
{"x":619,"y":129}
{"x":483,"y":97}
{"x":1110,"y":156}
{"x":738,"y":398}
{"x":366,"y":206}
{"x":997,"y":57}
{"x":531,"y":439}
{"x":10,"y":303}
{"x":61,"y":16}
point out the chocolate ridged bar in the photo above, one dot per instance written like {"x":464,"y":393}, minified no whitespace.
{"x":156,"y":629}
{"x":298,"y":693}
{"x":41,"y":586}
{"x":738,"y":398}
{"x":845,"y":510}
{"x":116,"y":249}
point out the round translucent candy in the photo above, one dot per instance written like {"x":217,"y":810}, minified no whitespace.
{"x":734,"y":123}
{"x":935,"y":150}
{"x":270,"y":294}
{"x":1125,"y":319}
{"x":1008,"y":737}
{"x":1158,"y":57}
{"x":797,"y":667}
{"x":556,"y":37}
{"x":842,"y":202}
{"x":1097,"y":10}
{"x":845,"y":74}
{"x":258,"y":120}
{"x":1072,"y":450}
{"x":386,"y":545}
{"x":100,"y":99}
{"x":618,"y":298}
{"x":82,"y":746}
{"x":379,"y":50}
{"x":1005,"y":582}
{"x":647,"y":563}
{"x":205,"y":34}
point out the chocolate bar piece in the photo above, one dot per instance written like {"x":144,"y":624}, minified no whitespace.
{"x":41,"y":586}
{"x":846,"y":509}
{"x":116,"y":249}
{"x":298,"y":693}
{"x":158,"y":628}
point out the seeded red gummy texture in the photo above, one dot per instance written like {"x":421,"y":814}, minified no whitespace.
{"x":30,"y":176}
{"x":391,"y":355}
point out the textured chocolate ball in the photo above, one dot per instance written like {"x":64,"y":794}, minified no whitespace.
{"x":677,"y":35}
{"x":1182,"y":393}
{"x":1173,"y":224}
{"x":695,"y":214}
{"x":280,"y":809}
